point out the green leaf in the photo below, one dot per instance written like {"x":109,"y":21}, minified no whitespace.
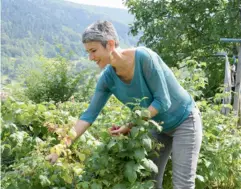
{"x":130,"y":171}
{"x":149,"y":185}
{"x":96,"y":186}
{"x":111,"y":144}
{"x":44,"y":180}
{"x":81,"y":157}
{"x":105,"y":182}
{"x":119,"y":186}
{"x":140,"y":122}
{"x":41,"y":108}
{"x":200,"y":178}
{"x":134,"y":132}
{"x":147,"y":143}
{"x":139,"y":153}
{"x":138,"y":112}
{"x":84,"y":185}
{"x":150,"y":165}
{"x":67,"y":177}
{"x":156,"y":125}
{"x":18,"y":111}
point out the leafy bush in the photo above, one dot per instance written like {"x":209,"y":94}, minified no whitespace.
{"x":97,"y":160}
{"x":123,"y":162}
{"x":220,"y":157}
{"x":28,"y":131}
{"x":192,"y":77}
{"x":54,"y":81}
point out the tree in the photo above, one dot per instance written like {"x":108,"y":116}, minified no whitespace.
{"x":179,"y":29}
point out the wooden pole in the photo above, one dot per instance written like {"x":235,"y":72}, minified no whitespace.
{"x":237,"y":84}
{"x":239,"y":121}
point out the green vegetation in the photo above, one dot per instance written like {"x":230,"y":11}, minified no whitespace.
{"x":32,"y":28}
{"x":181,"y":29}
{"x":52,"y":82}
{"x":98,"y":160}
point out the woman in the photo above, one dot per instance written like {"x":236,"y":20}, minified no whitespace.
{"x":137,"y":73}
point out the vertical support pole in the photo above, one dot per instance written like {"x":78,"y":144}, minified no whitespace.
{"x":237,"y":84}
{"x":239,"y":121}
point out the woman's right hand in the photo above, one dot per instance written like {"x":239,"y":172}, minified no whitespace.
{"x":52,"y":158}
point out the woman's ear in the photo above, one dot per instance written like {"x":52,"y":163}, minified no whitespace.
{"x":110,"y":45}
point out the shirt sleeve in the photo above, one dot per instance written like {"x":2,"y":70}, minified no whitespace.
{"x":154,"y":73}
{"x":99,"y":99}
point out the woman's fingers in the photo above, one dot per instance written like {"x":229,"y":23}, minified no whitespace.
{"x":113,"y":128}
{"x":115,"y":132}
{"x":52,"y":158}
{"x":119,"y":130}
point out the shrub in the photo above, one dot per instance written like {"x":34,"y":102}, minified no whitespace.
{"x":54,"y":81}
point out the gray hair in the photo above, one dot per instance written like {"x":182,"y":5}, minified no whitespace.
{"x":101,"y":31}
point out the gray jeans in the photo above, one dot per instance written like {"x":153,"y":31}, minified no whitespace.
{"x":184,"y":143}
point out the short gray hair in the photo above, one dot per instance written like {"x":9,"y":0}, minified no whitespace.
{"x":101,"y":31}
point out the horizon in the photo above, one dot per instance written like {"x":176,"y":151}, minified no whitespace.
{"x":102,"y":3}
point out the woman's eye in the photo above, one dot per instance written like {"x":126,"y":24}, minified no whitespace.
{"x":93,"y":51}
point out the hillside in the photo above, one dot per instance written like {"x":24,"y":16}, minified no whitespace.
{"x":31,"y":27}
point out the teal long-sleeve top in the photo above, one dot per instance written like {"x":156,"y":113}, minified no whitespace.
{"x":152,"y":79}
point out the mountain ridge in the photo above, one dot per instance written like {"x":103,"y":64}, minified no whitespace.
{"x":52,"y":22}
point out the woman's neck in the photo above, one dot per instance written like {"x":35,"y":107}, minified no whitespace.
{"x":124,"y":63}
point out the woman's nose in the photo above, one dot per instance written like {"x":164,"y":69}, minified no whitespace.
{"x":91,"y":56}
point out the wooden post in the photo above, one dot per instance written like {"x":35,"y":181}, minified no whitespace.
{"x":237,"y":85}
{"x":239,"y":121}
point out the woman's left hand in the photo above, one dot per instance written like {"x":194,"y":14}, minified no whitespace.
{"x":116,"y":130}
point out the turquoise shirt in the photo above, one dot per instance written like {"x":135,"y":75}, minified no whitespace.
{"x":152,"y":79}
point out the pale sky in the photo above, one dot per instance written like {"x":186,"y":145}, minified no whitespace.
{"x":106,"y":3}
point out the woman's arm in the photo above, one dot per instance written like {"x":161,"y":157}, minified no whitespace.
{"x":155,"y":72}
{"x":153,"y":111}
{"x":80,"y":127}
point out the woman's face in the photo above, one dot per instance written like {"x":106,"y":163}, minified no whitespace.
{"x":98,"y":53}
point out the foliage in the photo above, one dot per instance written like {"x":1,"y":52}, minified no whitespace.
{"x":33,"y":171}
{"x":219,"y":163}
{"x":88,"y":161}
{"x":191,"y":76}
{"x":178,"y":29}
{"x":122,"y":161}
{"x":29,"y":27}
{"x":23,"y":149}
{"x":53,"y":82}
{"x":87,"y":87}
{"x":97,"y":160}
{"x":181,"y":29}
{"x":27,"y":133}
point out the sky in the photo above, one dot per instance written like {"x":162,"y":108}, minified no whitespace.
{"x":106,"y":3}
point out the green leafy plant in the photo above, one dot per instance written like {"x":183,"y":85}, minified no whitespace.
{"x":52,"y":81}
{"x":219,"y":162}
{"x":123,"y":161}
